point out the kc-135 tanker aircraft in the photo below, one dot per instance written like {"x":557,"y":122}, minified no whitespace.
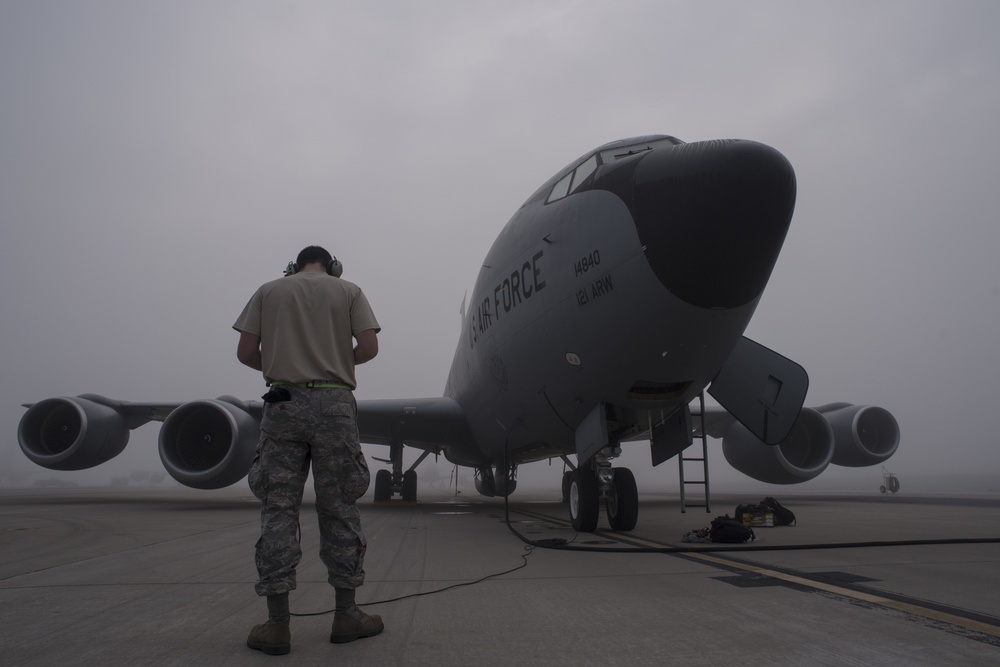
{"x":607,"y":305}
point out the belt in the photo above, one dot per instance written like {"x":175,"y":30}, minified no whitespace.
{"x":316,"y":384}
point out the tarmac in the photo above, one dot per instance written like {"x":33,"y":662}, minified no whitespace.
{"x":117,"y":577}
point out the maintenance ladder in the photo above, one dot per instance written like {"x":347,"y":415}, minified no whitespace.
{"x":682,"y":459}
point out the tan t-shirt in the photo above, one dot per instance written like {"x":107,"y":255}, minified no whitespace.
{"x":307,"y":323}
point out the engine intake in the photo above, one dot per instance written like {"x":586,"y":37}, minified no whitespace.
{"x":71,"y":433}
{"x":208,"y":444}
{"x":803,"y":455}
{"x":864,"y":435}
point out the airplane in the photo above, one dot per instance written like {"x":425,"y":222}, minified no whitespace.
{"x":615,"y":296}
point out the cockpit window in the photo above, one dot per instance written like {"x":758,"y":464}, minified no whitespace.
{"x":583,"y":171}
{"x":572,"y":181}
{"x":560,"y":189}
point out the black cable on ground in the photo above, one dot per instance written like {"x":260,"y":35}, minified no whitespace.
{"x":524,"y":557}
{"x":566,"y":545}
{"x":557,"y":543}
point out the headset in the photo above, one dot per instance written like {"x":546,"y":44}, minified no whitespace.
{"x":333,"y":267}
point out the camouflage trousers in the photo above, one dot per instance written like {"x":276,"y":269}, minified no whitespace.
{"x":317,"y":426}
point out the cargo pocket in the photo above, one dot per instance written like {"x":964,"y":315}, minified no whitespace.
{"x":255,"y":476}
{"x":357,"y":478}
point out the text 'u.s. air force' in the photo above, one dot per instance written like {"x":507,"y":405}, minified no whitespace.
{"x":515,"y":289}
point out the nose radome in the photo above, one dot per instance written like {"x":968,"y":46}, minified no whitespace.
{"x":712,"y":217}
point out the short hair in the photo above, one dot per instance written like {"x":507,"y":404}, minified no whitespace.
{"x":313,"y":254}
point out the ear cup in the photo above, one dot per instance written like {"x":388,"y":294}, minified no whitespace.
{"x":333,"y":267}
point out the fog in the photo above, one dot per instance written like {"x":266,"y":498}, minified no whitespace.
{"x":160,"y":160}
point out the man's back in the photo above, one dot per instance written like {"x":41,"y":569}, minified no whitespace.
{"x":306,"y":323}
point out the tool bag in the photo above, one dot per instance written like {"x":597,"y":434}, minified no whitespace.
{"x":782,"y":515}
{"x":729,"y":530}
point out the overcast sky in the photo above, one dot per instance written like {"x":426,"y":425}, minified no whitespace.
{"x":160,"y":160}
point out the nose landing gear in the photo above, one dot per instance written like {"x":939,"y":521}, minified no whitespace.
{"x":597,"y":483}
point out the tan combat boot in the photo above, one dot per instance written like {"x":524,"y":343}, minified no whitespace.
{"x":271,"y":638}
{"x":354,"y":624}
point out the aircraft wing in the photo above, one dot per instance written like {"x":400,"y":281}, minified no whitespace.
{"x":425,"y":423}
{"x":209,"y":443}
{"x":136,"y":414}
{"x":431,"y":424}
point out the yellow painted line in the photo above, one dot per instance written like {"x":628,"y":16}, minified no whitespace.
{"x":916,"y":610}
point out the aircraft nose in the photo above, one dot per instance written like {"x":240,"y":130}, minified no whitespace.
{"x":713,"y":216}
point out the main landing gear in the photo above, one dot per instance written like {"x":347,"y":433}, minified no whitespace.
{"x":399,"y":482}
{"x":597,"y":482}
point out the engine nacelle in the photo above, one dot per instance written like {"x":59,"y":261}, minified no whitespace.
{"x":803,"y":455}
{"x":71,"y":433}
{"x":208,"y":444}
{"x":505,"y":484}
{"x":486,"y":482}
{"x":863,"y":435}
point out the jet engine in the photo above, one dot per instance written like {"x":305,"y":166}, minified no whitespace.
{"x":72,"y":433}
{"x":803,"y":455}
{"x":209,"y":444}
{"x":864,"y":435}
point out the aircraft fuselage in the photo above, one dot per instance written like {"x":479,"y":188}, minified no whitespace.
{"x":625,"y":280}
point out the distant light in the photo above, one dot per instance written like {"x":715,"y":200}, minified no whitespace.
{"x":572,"y":359}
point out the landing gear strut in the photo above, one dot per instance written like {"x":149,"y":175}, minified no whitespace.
{"x":590,"y":485}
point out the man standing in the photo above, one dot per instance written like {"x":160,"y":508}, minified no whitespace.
{"x":299,"y":331}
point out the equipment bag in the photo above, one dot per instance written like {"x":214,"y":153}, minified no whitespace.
{"x":782,"y":515}
{"x":729,"y":530}
{"x":745,"y":514}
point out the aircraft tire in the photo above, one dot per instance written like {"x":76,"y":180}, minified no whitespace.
{"x":383,"y":486}
{"x":584,"y":501}
{"x":623,"y":505}
{"x":410,"y":486}
{"x":567,"y":479}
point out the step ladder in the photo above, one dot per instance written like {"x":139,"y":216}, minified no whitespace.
{"x":697,"y":419}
